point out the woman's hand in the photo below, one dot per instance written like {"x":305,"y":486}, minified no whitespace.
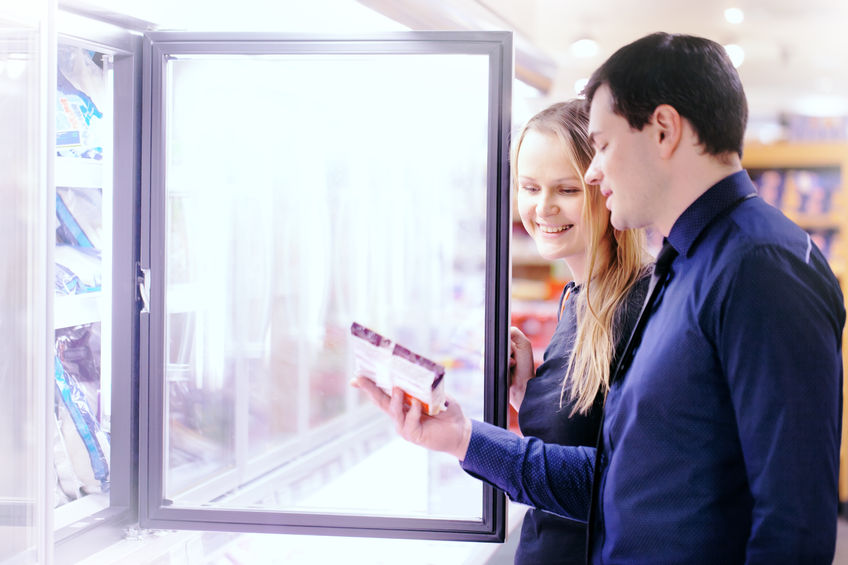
{"x":521,"y":366}
{"x":448,"y":431}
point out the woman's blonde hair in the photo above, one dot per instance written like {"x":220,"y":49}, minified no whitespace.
{"x":615,"y":258}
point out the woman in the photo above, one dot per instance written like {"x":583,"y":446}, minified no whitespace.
{"x":561,"y":401}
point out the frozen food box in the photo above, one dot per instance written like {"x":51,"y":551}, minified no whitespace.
{"x":392,"y":365}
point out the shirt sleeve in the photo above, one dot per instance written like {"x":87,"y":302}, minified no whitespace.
{"x":551,"y":477}
{"x":779,"y":333}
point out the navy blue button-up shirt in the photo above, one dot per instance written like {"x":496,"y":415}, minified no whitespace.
{"x":721,"y":441}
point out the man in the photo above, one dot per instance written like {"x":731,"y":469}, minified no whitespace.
{"x":721,"y":435}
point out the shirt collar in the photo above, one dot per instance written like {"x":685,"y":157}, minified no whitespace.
{"x":701,"y":213}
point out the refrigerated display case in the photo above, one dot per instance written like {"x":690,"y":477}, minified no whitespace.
{"x":92,"y":379}
{"x":219,"y":209}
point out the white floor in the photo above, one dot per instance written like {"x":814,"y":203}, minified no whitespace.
{"x":841,"y":557}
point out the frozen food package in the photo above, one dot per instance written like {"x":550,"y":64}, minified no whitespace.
{"x":88,"y":447}
{"x":77,"y":269}
{"x":390,"y":365}
{"x":79,"y":212}
{"x":81,"y":85}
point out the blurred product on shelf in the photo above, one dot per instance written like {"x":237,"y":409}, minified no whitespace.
{"x":80,"y":216}
{"x":529,"y":289}
{"x":824,"y":238}
{"x":798,"y":190}
{"x":537,"y":321}
{"x":815,"y":189}
{"x":78,"y":348}
{"x":78,"y":265}
{"x":533,"y":277}
{"x":817,"y":128}
{"x":808,"y":195}
{"x":79,"y":128}
{"x":77,"y":270}
{"x":81,"y":447}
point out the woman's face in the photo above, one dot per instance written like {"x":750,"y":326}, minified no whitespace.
{"x":550,"y":199}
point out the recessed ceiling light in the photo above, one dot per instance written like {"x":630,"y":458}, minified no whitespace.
{"x":736,"y":54}
{"x":584,"y":48}
{"x":734,"y":15}
{"x":579,"y":85}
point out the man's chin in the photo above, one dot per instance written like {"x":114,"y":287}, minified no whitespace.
{"x":619,"y":223}
{"x":622,"y":224}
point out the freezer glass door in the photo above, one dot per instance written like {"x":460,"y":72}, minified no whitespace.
{"x":298,"y":187}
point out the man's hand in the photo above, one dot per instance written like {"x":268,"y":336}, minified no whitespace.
{"x":448,"y":431}
{"x":521,"y":366}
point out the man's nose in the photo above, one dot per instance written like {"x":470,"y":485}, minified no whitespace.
{"x":593,"y":173}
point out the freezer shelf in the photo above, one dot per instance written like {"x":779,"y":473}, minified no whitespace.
{"x":76,"y":172}
{"x":76,"y":310}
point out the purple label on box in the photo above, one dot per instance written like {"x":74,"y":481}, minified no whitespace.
{"x":370,"y":336}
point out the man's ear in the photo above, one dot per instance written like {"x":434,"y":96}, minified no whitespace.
{"x":668,"y":129}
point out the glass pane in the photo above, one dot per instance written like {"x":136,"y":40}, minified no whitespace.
{"x":24,"y":272}
{"x":80,"y":376}
{"x":305,"y":193}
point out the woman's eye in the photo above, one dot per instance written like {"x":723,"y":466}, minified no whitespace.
{"x":529,"y":188}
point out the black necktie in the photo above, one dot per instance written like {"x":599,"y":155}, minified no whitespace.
{"x":658,"y":280}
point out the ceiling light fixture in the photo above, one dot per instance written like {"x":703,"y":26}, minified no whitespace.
{"x":579,"y":85}
{"x":734,"y":15}
{"x":584,"y":48}
{"x":736,"y":54}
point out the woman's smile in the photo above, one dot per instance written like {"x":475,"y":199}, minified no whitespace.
{"x":554,"y":230}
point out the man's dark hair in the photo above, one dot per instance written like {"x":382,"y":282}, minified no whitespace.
{"x":692,"y":74}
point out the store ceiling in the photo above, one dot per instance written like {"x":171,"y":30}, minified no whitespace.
{"x":796,"y":51}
